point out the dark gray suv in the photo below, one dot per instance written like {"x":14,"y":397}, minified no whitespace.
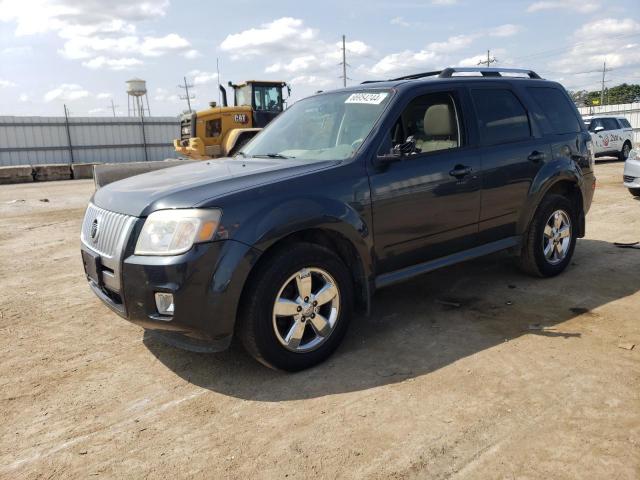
{"x":344,"y":193}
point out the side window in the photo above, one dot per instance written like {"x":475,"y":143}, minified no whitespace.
{"x":501,"y":116}
{"x":595,"y":123}
{"x":432,"y":120}
{"x":624,"y":122}
{"x":213,"y":128}
{"x":555,"y":108}
{"x":610,"y":124}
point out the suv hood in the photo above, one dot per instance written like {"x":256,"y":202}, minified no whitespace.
{"x":186,"y":186}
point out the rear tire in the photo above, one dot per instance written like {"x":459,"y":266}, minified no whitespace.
{"x":624,"y":153}
{"x":548,"y":244}
{"x":635,"y":192}
{"x":279,"y":323}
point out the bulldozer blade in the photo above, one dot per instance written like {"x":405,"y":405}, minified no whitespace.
{"x":107,"y":173}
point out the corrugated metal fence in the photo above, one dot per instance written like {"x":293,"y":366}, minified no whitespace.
{"x":47,"y":140}
{"x":631,"y":111}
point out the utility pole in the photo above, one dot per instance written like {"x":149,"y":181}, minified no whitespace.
{"x":187,"y":96}
{"x":604,"y":71}
{"x":489,"y":60}
{"x":344,"y":62}
{"x":113,"y":107}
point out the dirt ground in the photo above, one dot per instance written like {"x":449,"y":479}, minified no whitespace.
{"x":526,"y":378}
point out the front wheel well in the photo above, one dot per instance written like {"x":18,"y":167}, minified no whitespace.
{"x":334,"y":241}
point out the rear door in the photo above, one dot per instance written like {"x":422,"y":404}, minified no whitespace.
{"x":426,"y":205}
{"x":512,"y":150}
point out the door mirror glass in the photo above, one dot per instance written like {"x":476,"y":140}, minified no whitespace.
{"x":599,"y":128}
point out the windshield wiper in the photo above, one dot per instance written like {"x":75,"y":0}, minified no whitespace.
{"x":272,"y":155}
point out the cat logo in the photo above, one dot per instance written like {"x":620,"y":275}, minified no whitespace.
{"x":240,"y":118}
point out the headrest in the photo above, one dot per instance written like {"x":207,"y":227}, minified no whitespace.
{"x":438,"y":120}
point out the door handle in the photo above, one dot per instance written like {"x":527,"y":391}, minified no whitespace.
{"x":460,"y":171}
{"x":536,"y":156}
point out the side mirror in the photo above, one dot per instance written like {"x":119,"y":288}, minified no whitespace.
{"x":399,"y":151}
{"x":599,"y":128}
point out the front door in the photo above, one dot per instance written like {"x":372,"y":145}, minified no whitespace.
{"x":426,"y":205}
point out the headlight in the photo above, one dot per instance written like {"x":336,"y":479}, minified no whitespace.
{"x":634,"y":154}
{"x":171,"y":232}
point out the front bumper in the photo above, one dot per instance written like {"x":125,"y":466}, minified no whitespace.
{"x":631,"y":175}
{"x":206,"y":283}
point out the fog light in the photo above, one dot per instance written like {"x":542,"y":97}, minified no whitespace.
{"x":164,"y":303}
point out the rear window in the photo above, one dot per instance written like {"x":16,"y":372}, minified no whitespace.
{"x":624,"y":122}
{"x":555,"y":109}
{"x":502,"y":117}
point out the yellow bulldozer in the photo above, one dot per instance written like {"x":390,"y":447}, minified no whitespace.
{"x":219,"y":131}
{"x":222,"y":130}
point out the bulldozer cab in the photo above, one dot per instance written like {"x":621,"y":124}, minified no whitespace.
{"x":264,"y":97}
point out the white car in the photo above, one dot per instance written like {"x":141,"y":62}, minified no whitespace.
{"x":632,"y":173}
{"x":611,"y":136}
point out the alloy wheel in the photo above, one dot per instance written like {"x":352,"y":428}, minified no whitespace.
{"x":556,"y":240}
{"x":306,"y":310}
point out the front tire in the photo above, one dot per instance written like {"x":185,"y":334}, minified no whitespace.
{"x":549,"y":242}
{"x":296,"y":307}
{"x":624,"y":153}
{"x":635,"y":192}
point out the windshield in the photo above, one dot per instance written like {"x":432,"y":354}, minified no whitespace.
{"x":325,"y":127}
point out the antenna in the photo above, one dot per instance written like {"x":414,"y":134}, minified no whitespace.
{"x":187,"y":96}
{"x":489,"y":60}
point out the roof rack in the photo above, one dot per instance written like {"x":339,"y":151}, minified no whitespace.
{"x":486,"y":72}
{"x":448,"y":73}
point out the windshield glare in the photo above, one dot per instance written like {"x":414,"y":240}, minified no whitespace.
{"x":325,"y":127}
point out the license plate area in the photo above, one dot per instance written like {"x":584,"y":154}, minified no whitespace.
{"x":92,"y":266}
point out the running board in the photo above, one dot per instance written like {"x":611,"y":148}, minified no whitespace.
{"x":396,"y":276}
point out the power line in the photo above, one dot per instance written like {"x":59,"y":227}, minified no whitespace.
{"x":187,"y":96}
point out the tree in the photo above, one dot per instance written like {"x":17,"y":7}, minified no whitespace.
{"x":623,"y":93}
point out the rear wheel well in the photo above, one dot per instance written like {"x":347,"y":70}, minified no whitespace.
{"x":335,"y":242}
{"x":571,"y":191}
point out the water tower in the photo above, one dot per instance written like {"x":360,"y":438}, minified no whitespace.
{"x":136,"y":96}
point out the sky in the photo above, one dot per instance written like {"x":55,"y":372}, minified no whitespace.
{"x":81,"y":52}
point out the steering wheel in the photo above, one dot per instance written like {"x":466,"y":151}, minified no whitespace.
{"x":357,"y":143}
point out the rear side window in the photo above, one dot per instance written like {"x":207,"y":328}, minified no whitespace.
{"x":501,"y":116}
{"x":555,"y":108}
{"x":624,"y":122}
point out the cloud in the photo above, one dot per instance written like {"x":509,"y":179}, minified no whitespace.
{"x":163,"y":95}
{"x":310,"y":80}
{"x":202,"y":78}
{"x":66,"y":92}
{"x":596,"y":41}
{"x":103,"y":96}
{"x":452,"y":44}
{"x":506,"y":30}
{"x":399,"y":21}
{"x":270,"y":37}
{"x":21,"y":51}
{"x":112,"y":63}
{"x":444,"y":2}
{"x":192,"y":54}
{"x":295,"y":49}
{"x":94,"y":111}
{"x":579,"y":6}
{"x":23,"y":97}
{"x":405,"y":61}
{"x":104,"y":33}
{"x":6,"y":83}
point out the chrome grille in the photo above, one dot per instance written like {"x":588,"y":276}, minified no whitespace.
{"x":628,"y":179}
{"x":111,"y":232}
